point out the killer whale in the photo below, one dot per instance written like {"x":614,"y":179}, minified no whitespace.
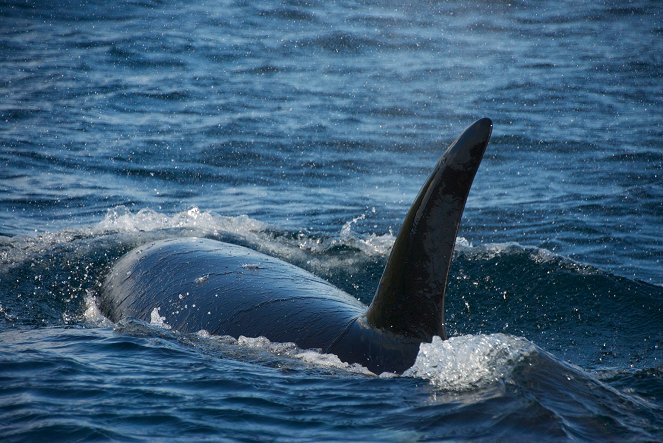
{"x":201,"y":284}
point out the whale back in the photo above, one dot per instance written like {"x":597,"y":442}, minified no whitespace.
{"x":198,"y":284}
{"x":409,"y":301}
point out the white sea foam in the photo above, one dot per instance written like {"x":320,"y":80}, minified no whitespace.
{"x":92,"y":315}
{"x":305,"y":249}
{"x":120,"y":219}
{"x":312,"y":357}
{"x":309,"y":356}
{"x":371,"y":244}
{"x":146,"y":223}
{"x":157,"y":320}
{"x":469,"y":361}
{"x":458,"y":364}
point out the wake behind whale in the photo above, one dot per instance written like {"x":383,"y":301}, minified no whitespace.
{"x":200,"y":284}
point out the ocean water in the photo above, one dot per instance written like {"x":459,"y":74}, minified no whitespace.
{"x":304,"y":130}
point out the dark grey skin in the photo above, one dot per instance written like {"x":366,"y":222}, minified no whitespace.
{"x":231,"y":290}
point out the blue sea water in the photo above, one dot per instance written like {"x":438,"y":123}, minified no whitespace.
{"x":304,"y":130}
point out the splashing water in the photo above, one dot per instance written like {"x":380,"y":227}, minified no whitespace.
{"x":470,"y":361}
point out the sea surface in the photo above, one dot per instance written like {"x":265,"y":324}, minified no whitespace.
{"x":304,"y":130}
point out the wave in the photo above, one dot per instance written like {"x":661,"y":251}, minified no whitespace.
{"x":581,"y":313}
{"x":475,"y":368}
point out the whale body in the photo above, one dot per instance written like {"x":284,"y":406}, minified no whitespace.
{"x":198,"y":284}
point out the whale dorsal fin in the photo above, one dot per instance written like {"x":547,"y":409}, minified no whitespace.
{"x":410,"y":298}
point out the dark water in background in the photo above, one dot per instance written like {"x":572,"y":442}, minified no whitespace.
{"x":304,"y":131}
